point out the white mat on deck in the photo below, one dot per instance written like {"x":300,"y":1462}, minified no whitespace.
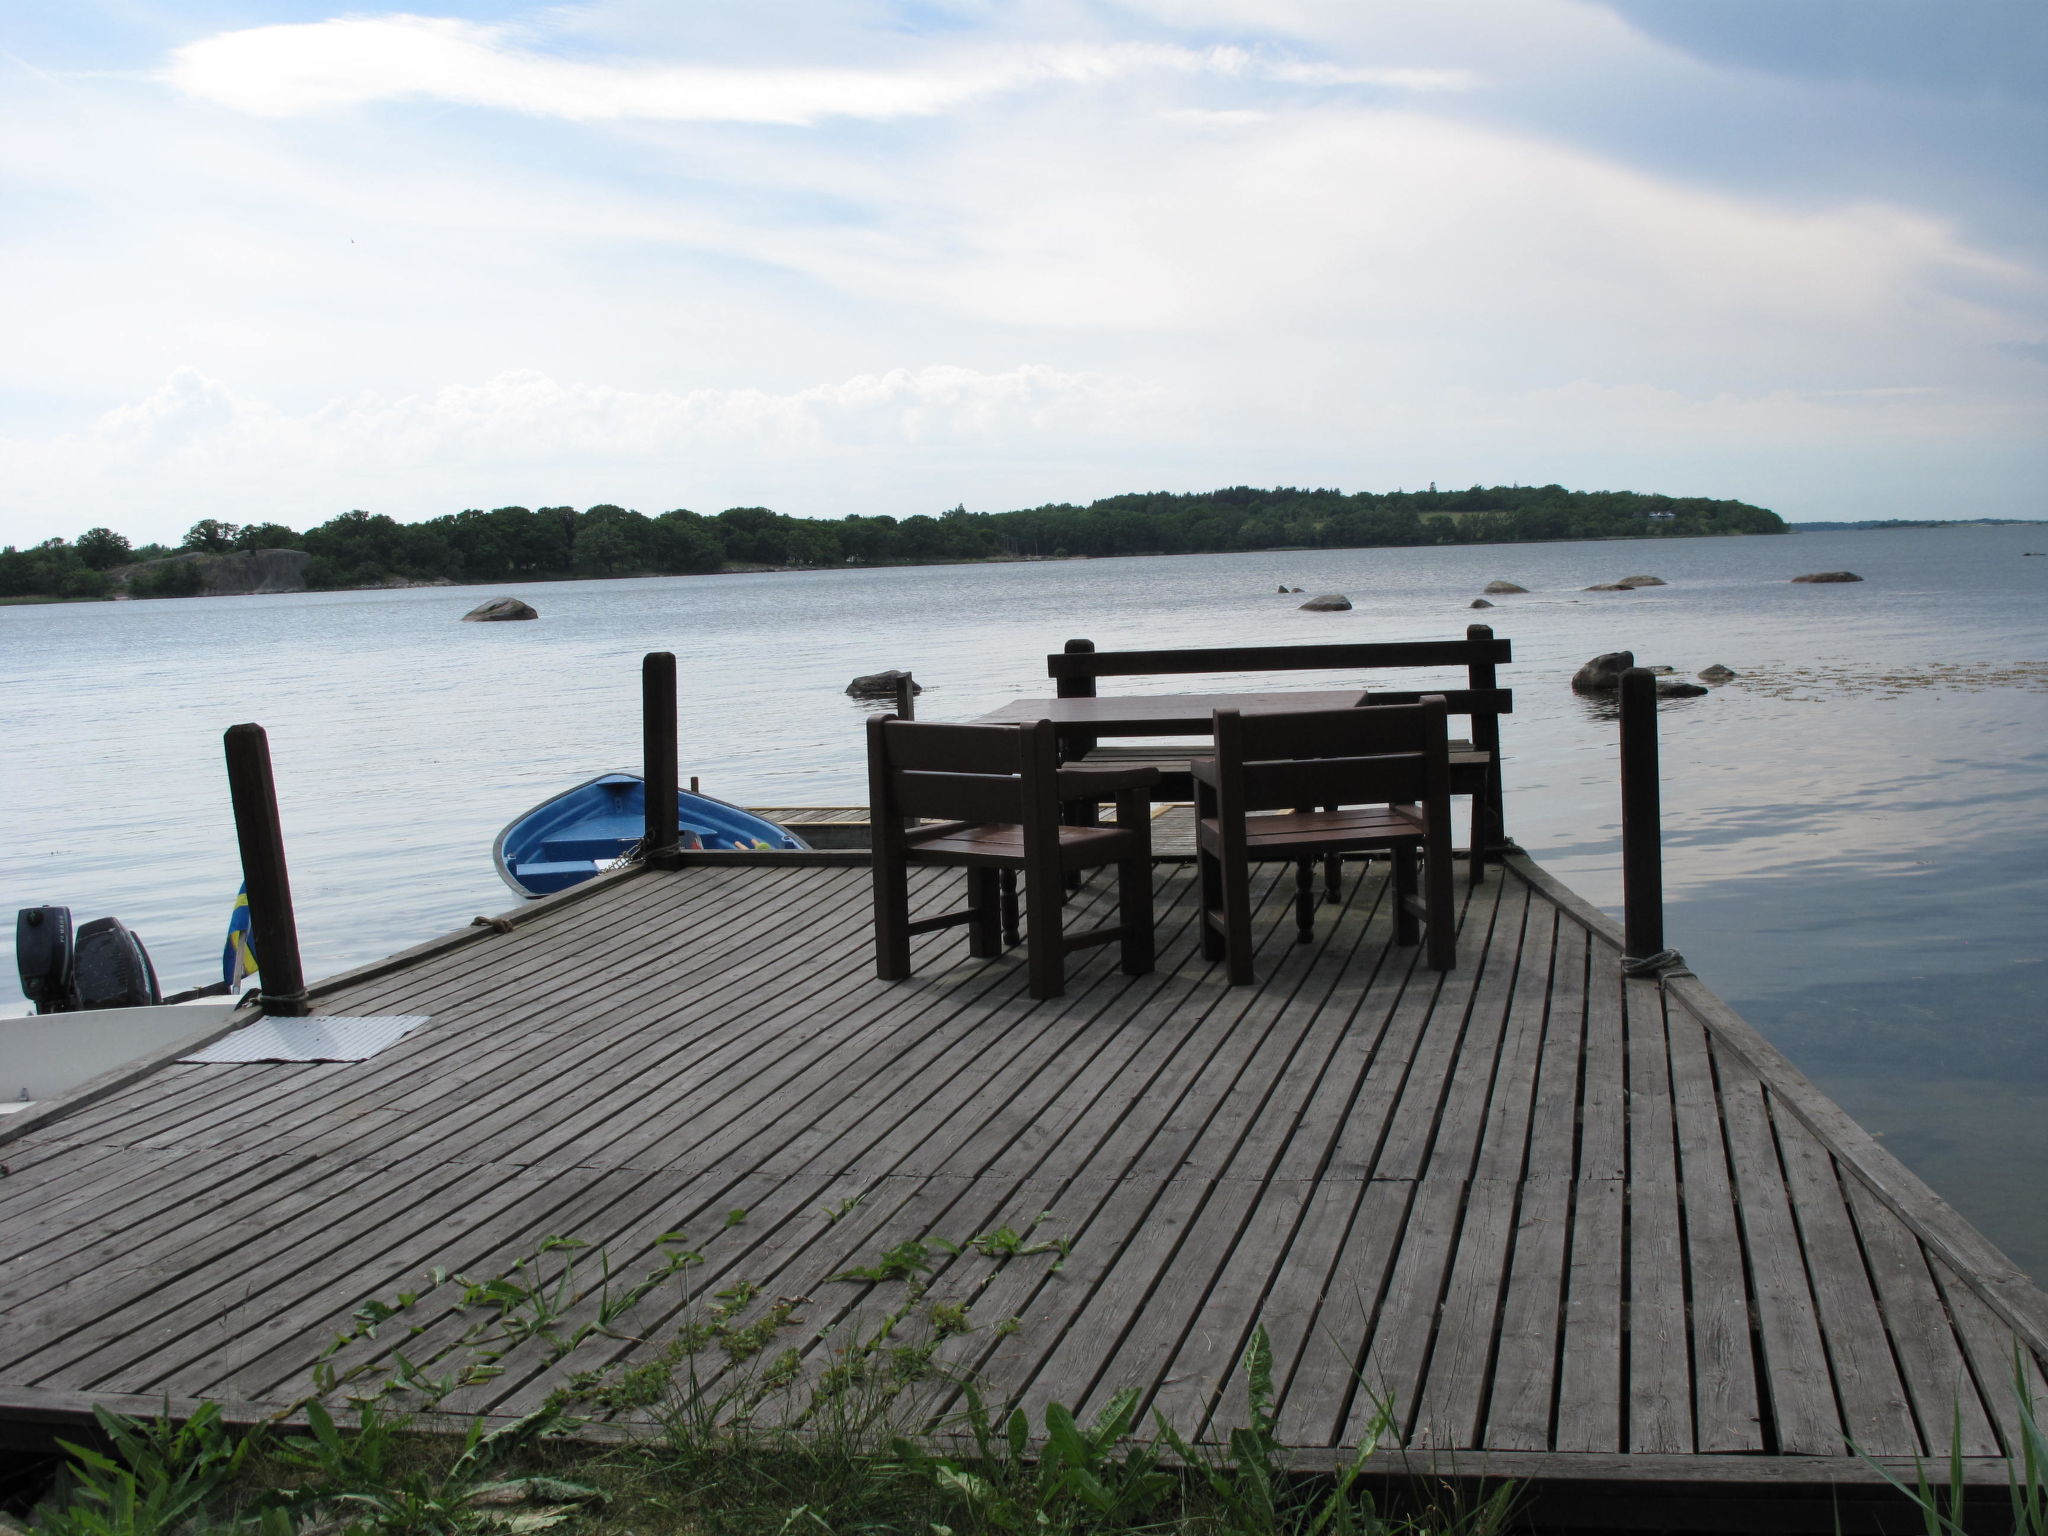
{"x":314,"y":1039}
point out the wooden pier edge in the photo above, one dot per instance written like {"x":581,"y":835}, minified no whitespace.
{"x":530,"y":911}
{"x":1993,"y":1277}
{"x":41,"y":1410}
{"x":479,"y":929}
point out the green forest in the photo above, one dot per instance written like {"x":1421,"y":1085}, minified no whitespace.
{"x":363,"y":549}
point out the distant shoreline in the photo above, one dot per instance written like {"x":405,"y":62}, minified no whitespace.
{"x":1874,"y":524}
{"x":359,"y":550}
{"x":750,"y":568}
{"x":755,"y":568}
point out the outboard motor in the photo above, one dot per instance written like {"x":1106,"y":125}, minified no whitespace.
{"x":43,"y":954}
{"x":102,"y":966}
{"x":112,"y":969}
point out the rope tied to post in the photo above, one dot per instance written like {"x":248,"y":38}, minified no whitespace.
{"x":1664,"y":963}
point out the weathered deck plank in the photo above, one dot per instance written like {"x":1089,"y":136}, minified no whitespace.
{"x":1523,"y":1208}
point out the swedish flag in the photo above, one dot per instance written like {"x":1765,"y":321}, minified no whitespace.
{"x":238,"y":958}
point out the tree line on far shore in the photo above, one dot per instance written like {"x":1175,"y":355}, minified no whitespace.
{"x":362,"y":549}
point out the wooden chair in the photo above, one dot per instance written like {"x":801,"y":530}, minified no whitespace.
{"x":1382,"y":763}
{"x":998,"y":789}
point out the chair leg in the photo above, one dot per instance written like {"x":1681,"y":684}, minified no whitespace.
{"x":1044,"y":955}
{"x":1304,"y":900}
{"x":1237,"y":920}
{"x":1212,"y":905}
{"x":1407,"y":927}
{"x":1012,"y":934}
{"x":1333,"y":873}
{"x":1134,"y":915}
{"x":984,"y":934}
{"x":892,"y":920}
{"x":1482,"y":838}
{"x":1441,"y":913}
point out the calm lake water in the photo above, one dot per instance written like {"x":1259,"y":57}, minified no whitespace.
{"x":1856,"y":853}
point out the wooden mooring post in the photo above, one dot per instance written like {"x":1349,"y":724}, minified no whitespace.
{"x":273,"y":930}
{"x":1642,"y":847}
{"x":1487,"y":843}
{"x":660,"y":769}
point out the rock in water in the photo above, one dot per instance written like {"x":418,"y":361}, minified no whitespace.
{"x":1329,"y":602}
{"x":1677,"y":688}
{"x":1603,"y":673}
{"x":1504,"y":586}
{"x":1718,"y":674}
{"x":1609,"y":586}
{"x":1642,"y":581}
{"x":1284,"y":587}
{"x":880,"y":685}
{"x":1480,"y":602}
{"x":1830,"y":576}
{"x":499,"y":608}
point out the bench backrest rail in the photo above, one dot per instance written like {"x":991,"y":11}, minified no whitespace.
{"x":1077,"y":667}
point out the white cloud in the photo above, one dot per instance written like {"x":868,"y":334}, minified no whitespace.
{"x":911,"y":440}
{"x":1234,"y":255}
{"x":1400,"y":79}
{"x":1351,"y":241}
{"x":196,"y":441}
{"x":282,"y":71}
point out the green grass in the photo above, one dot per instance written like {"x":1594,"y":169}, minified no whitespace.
{"x":1941,"y":1506}
{"x":372,"y":1473}
{"x":742,"y":1428}
{"x":748,"y":1420}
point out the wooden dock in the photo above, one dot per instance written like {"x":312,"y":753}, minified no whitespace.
{"x":1552,"y":1223}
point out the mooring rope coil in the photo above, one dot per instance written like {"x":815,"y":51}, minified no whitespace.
{"x":1666,"y":962}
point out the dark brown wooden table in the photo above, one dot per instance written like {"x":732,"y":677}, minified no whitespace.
{"x":1160,"y":714}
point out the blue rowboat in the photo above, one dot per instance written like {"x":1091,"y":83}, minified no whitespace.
{"x":591,"y":827}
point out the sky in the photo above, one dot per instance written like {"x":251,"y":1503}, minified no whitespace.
{"x":270,"y":262}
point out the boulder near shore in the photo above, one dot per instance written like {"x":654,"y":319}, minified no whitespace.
{"x":1480,"y":602}
{"x":1830,"y":576}
{"x":1629,"y":584}
{"x":1328,"y":602}
{"x":1718,"y":674}
{"x":1603,"y":673}
{"x":1497,"y":587}
{"x":880,"y":685}
{"x":499,"y":609}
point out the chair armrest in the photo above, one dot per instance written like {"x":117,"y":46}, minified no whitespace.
{"x":1203,"y":771}
{"x":1080,"y":782}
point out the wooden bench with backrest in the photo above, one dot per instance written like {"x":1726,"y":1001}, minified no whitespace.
{"x":1475,"y":758}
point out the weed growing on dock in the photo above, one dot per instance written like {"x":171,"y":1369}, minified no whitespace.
{"x":1942,"y":1508}
{"x":358,"y":1484}
{"x":747,"y":1418}
{"x":158,"y":1477}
